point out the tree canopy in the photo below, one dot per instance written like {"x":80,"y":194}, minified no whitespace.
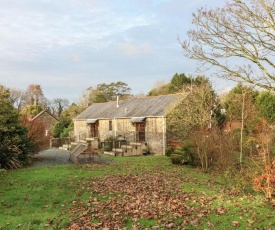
{"x":265,"y":102}
{"x":59,"y":105}
{"x":14,"y":144}
{"x":237,"y":39}
{"x":30,"y":111}
{"x":34,"y":96}
{"x":195,"y":112}
{"x":178,"y":83}
{"x":64,"y":126}
{"x":107,"y":92}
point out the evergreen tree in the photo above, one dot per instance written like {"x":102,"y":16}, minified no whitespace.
{"x":14,"y":144}
{"x":178,"y":84}
{"x":265,"y":102}
{"x":65,"y":125}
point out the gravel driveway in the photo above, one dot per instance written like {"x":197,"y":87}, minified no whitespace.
{"x":54,"y":156}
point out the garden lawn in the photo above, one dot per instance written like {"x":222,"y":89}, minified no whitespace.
{"x":132,"y":192}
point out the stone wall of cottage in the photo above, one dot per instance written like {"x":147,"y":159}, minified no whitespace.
{"x":154,"y":135}
{"x":80,"y":130}
{"x":126,"y":129}
{"x":120,"y":127}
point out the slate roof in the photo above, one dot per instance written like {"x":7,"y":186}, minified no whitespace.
{"x":137,"y":107}
{"x":44,"y":111}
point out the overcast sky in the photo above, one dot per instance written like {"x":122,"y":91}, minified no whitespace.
{"x":67,"y":46}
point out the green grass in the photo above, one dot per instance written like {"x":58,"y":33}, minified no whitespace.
{"x":40,"y":198}
{"x":30,"y":198}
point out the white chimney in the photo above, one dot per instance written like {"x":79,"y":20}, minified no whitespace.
{"x":117,"y":101}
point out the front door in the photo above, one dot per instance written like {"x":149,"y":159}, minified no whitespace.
{"x":94,"y":129}
{"x":140,"y":131}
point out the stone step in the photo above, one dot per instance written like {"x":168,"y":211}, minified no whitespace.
{"x":126,"y":146}
{"x":82,"y":141}
{"x":109,"y":153}
{"x":90,"y":139}
{"x":135,"y":143}
{"x":63,"y":148}
{"x":118,"y":150}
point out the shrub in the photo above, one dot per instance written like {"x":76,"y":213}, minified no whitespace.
{"x":14,"y":144}
{"x":36,"y":134}
{"x":108,"y":143}
{"x":169,"y":150}
{"x":187,"y":157}
{"x":67,"y":132}
{"x":176,"y":158}
{"x":183,"y":154}
{"x":214,"y":148}
{"x":266,"y":181}
{"x":238,"y":179}
{"x":60,"y":126}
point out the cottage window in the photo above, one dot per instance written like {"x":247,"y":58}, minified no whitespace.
{"x":110,"y":126}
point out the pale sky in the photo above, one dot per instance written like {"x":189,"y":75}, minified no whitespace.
{"x":67,"y":46}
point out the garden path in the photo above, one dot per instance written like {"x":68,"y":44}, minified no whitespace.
{"x":54,"y":156}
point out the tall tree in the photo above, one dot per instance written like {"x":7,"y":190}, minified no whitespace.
{"x":239,"y":97}
{"x":265,"y":102}
{"x":240,"y":106}
{"x":14,"y":144}
{"x":30,"y":111}
{"x":196,"y":111}
{"x":237,"y":39}
{"x":107,"y":92}
{"x":34,"y":96}
{"x":65,"y":125}
{"x":110,"y":91}
{"x":178,"y":83}
{"x":59,"y":104}
{"x":17,"y":97}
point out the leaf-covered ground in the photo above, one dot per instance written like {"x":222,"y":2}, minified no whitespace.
{"x":160,"y":199}
{"x":132,"y":193}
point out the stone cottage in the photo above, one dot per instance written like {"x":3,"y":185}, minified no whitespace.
{"x":139,"y":123}
{"x":47,"y":119}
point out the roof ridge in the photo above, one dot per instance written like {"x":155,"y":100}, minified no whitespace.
{"x":135,"y":98}
{"x":43,"y":111}
{"x":134,"y":107}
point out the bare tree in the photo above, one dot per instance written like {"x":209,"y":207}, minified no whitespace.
{"x":59,"y":104}
{"x":17,"y":97}
{"x":238,"y":39}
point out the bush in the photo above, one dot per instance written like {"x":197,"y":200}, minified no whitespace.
{"x":238,"y":179}
{"x":67,"y":132}
{"x":36,"y":134}
{"x":266,"y":181}
{"x":14,"y":144}
{"x":214,"y":148}
{"x":187,"y":157}
{"x":182,"y":154}
{"x":176,"y":158}
{"x":108,"y":143}
{"x":60,"y":126}
{"x":169,"y":150}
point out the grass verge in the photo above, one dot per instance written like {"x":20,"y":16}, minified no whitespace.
{"x":55,"y":197}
